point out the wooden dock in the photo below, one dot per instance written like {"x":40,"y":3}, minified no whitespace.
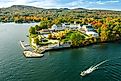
{"x":29,"y":53}
{"x":38,"y":52}
{"x":22,"y":45}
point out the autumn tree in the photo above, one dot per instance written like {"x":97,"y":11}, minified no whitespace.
{"x":32,"y":30}
{"x":76,"y":38}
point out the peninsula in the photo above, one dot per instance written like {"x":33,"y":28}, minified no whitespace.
{"x":68,"y":34}
{"x":60,"y":28}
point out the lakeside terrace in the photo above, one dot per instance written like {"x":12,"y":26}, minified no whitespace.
{"x":51,"y":44}
{"x":29,"y":52}
{"x":86,"y":29}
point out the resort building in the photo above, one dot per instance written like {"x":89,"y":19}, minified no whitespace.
{"x":64,"y":26}
{"x":89,"y":30}
{"x":57,"y":27}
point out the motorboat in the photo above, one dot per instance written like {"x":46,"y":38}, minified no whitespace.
{"x":88,"y":71}
{"x":92,"y":68}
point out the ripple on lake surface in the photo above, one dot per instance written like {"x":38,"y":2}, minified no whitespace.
{"x":62,"y":65}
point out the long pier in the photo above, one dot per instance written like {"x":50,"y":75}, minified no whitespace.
{"x":29,"y":53}
{"x":38,"y":52}
{"x":22,"y":45}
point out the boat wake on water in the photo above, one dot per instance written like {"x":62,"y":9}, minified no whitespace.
{"x":92,"y":68}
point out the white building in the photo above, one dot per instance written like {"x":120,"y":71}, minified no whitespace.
{"x":54,"y":27}
{"x":94,"y":34}
{"x":64,"y":26}
{"x":89,"y":30}
{"x":57,"y":28}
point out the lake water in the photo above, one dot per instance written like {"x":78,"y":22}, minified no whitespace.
{"x":62,"y":65}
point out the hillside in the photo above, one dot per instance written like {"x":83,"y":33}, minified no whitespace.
{"x":22,"y":13}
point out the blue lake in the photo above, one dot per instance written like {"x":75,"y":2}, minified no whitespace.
{"x":61,"y":65}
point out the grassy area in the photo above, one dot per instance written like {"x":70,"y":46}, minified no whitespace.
{"x":69,"y":34}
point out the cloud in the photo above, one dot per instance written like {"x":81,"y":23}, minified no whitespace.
{"x":37,"y":3}
{"x":76,"y":3}
{"x":107,"y":2}
{"x":103,"y":4}
{"x":7,"y":3}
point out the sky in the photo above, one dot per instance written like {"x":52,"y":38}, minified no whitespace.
{"x":89,"y":4}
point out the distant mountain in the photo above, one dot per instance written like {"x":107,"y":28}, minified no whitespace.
{"x":23,"y":11}
{"x":80,"y":9}
{"x":24,"y":7}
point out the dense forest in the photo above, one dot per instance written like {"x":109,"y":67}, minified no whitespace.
{"x":27,"y":14}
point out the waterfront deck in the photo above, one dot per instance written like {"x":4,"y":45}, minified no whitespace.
{"x":38,"y":52}
{"x":22,"y":45}
{"x":28,"y":53}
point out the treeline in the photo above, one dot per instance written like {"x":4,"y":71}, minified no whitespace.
{"x":25,"y":14}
